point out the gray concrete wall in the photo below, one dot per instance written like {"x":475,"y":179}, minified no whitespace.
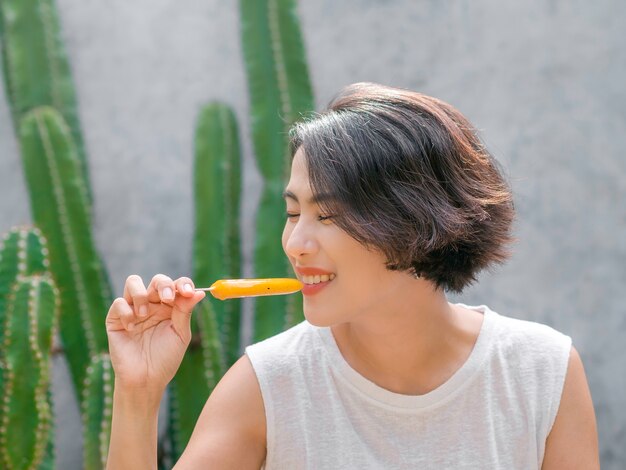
{"x":543,"y":80}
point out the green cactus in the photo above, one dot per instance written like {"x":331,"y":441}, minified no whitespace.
{"x":216,"y":255}
{"x":22,"y":253}
{"x":97,"y":409}
{"x":31,"y":312}
{"x":217,"y":189}
{"x":280,"y":93}
{"x":35,"y":64}
{"x":60,"y":208}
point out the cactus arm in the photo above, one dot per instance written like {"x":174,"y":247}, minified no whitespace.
{"x":97,"y":410}
{"x":280,"y":93}
{"x":267,"y":125}
{"x":37,"y":72}
{"x":217,"y":188}
{"x":278,"y":79}
{"x":60,"y":208}
{"x":22,"y":252}
{"x":26,"y":409}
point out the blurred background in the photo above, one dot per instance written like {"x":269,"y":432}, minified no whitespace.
{"x":542,"y":80}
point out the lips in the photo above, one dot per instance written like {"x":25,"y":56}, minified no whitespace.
{"x":314,"y":279}
{"x":311,"y":271}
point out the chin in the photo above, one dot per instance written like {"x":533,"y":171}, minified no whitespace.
{"x":319,"y":319}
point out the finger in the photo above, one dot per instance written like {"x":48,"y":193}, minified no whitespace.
{"x":121,"y":315}
{"x":184,"y":286}
{"x":161,"y":290}
{"x":135,"y":294}
{"x":181,"y":314}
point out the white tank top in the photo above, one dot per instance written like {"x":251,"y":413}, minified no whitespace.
{"x":495,"y":412}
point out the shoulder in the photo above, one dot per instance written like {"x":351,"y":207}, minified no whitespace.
{"x":284,"y":348}
{"x":281,"y":362}
{"x":535,"y":355}
{"x":534,"y":360}
{"x":573,"y":439}
{"x":529,"y":342}
{"x":290,"y":338}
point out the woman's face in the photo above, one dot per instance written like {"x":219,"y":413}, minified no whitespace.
{"x":352,"y":280}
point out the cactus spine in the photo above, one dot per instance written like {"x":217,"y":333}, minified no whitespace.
{"x":216,"y":254}
{"x":97,"y":407}
{"x":60,"y":207}
{"x":35,"y":64}
{"x":280,"y":92}
{"x":31,"y":311}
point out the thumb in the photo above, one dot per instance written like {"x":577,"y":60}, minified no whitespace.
{"x":181,"y":314}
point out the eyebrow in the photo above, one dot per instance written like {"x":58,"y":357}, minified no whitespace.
{"x":316,"y":199}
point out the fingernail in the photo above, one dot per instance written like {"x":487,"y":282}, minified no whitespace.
{"x":167,"y":293}
{"x":188,"y":288}
{"x":131,"y":326}
{"x":143,"y":311}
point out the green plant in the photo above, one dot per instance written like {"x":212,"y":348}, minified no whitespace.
{"x":29,"y":312}
{"x":36,"y":69}
{"x":280,"y":94}
{"x":22,"y":253}
{"x":217,"y":193}
{"x":42,"y":99}
{"x":40,"y":92}
{"x":216,"y":255}
{"x":60,"y":208}
{"x":97,"y":406}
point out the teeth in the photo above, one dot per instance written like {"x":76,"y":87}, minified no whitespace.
{"x":317,"y":278}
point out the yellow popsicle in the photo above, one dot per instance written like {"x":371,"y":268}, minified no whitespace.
{"x":237,"y":288}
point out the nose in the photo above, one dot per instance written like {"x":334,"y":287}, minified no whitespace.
{"x":299,"y":239}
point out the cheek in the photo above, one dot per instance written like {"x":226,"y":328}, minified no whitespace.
{"x":367,"y":273}
{"x":285,"y":236}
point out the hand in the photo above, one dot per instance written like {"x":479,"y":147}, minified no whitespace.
{"x":149,"y":330}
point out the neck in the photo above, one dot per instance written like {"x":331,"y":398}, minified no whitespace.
{"x":409,"y":343}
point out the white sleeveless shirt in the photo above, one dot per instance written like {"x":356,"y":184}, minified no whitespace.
{"x":495,"y":412}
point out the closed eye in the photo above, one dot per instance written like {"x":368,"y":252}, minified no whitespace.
{"x":321,"y":218}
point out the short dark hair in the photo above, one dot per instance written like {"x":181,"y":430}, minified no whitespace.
{"x":410,"y":177}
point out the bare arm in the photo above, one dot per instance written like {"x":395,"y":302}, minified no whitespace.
{"x":133,"y":430}
{"x":573,"y":440}
{"x":230,"y":433}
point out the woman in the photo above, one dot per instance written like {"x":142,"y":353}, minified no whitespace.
{"x":392,"y":201}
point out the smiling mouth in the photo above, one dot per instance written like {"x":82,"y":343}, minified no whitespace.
{"x":311,"y":280}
